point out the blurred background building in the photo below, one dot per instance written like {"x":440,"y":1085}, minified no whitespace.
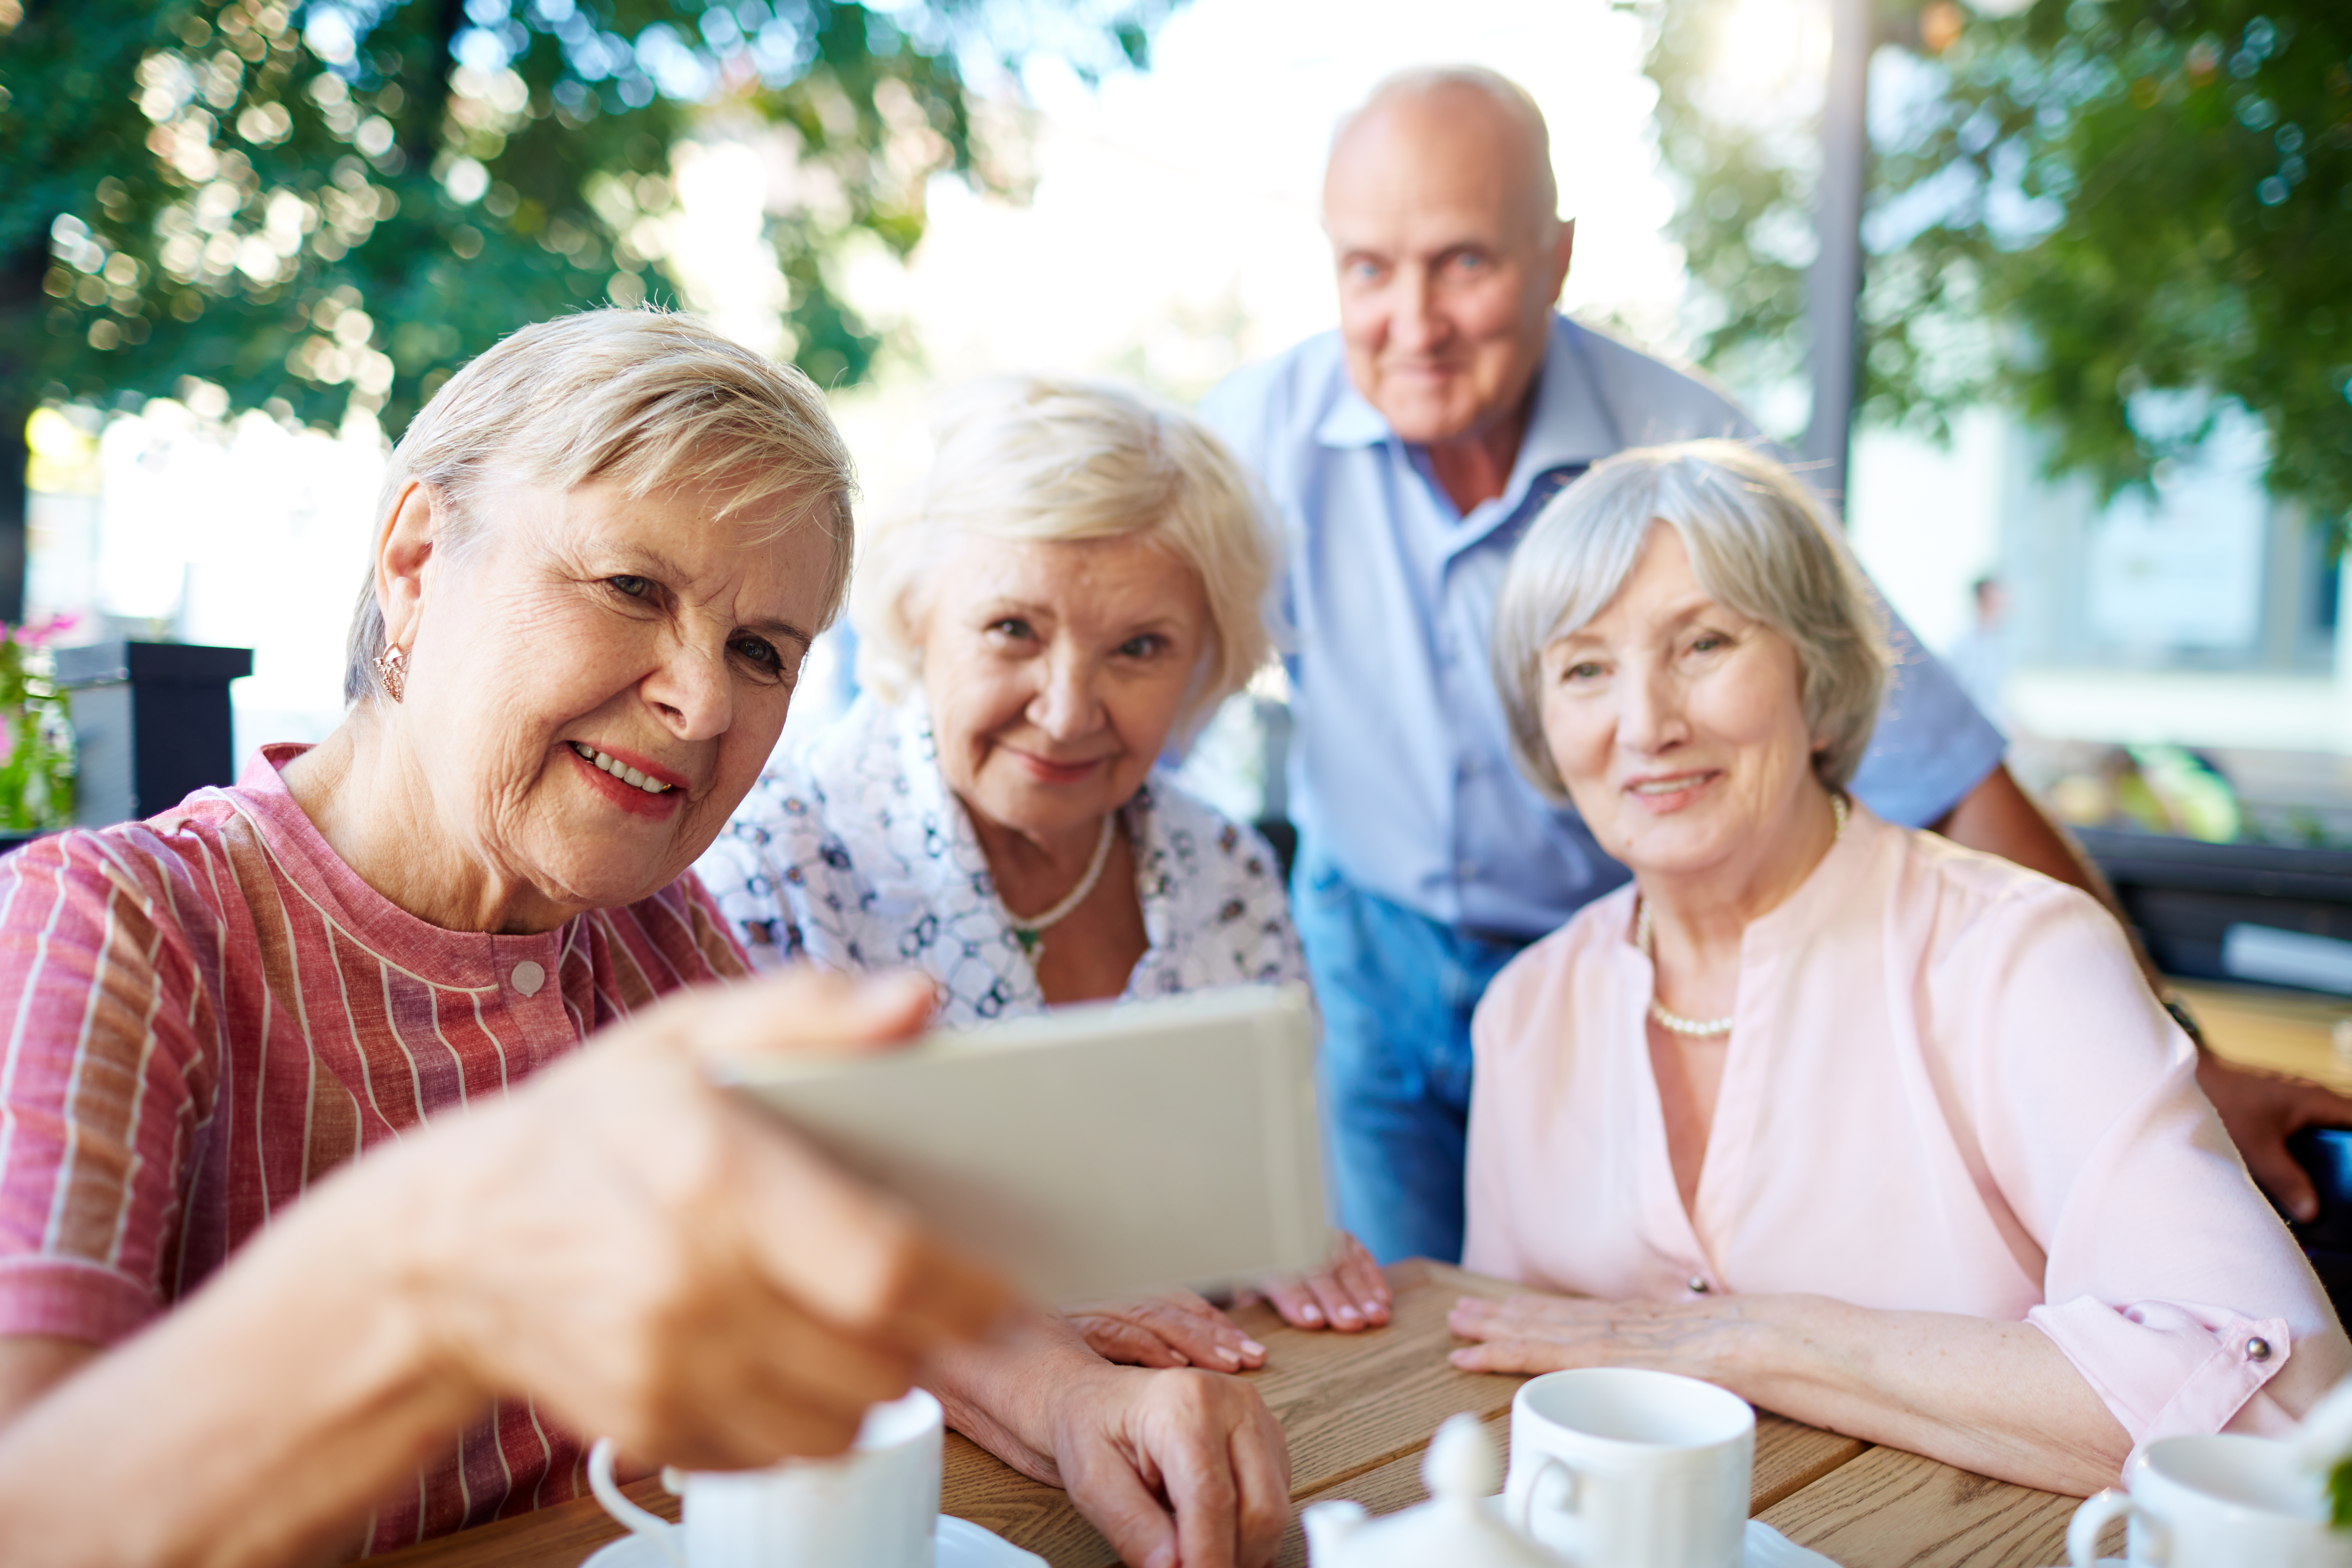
{"x":2104,"y":433}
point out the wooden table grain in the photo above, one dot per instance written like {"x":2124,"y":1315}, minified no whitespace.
{"x":1358,"y":1410}
{"x":2285,"y":1031}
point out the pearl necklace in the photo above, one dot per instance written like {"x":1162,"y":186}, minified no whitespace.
{"x":1031,"y":933}
{"x":1700,"y":1028}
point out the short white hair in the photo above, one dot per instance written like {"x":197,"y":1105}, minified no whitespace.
{"x":1427,"y":81}
{"x":644,"y":398}
{"x":1043,"y":458}
{"x":1757,"y":544}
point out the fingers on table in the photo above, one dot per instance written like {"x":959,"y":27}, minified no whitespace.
{"x":1507,"y":1330}
{"x":1226,"y":1471}
{"x":1206,"y":1495}
{"x":1322,"y":1300}
{"x":1204,"y":1336}
{"x":1506,"y":1345}
{"x":1118,"y":1502}
{"x":1114,"y":1339}
{"x":1515,"y":1356}
{"x":1348,"y":1293}
{"x":1360,"y":1278}
{"x":1261,"y":1463}
{"x":1194,"y":1470}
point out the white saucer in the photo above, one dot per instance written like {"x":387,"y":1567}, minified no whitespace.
{"x":1764,"y":1548}
{"x":960,"y":1544}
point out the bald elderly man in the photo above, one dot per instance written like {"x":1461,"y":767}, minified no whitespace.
{"x":1407,"y":452}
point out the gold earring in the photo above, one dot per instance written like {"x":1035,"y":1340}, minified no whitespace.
{"x":391,"y":671}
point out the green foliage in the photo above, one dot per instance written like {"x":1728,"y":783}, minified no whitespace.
{"x":335,"y":205}
{"x":2079,"y":206}
{"x":2339,"y":1495}
{"x":37,"y":774}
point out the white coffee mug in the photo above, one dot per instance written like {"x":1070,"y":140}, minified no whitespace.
{"x":877,"y":1506}
{"x":1615,"y":1466}
{"x":2214,"y":1503}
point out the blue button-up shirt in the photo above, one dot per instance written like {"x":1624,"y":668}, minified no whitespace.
{"x":1401,"y":767}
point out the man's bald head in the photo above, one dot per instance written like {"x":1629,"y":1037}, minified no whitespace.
{"x":1464,"y":103}
{"x":1445,"y":222}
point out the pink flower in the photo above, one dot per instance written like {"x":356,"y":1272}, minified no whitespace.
{"x":40,"y":634}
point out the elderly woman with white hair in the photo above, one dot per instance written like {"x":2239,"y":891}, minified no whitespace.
{"x":1876,"y":1132}
{"x":319,"y":1230}
{"x":1077,"y":583}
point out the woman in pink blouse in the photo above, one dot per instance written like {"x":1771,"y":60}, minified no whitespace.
{"x":1874,"y":1131}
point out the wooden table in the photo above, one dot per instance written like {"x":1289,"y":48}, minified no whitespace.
{"x":2285,"y":1031}
{"x":1358,"y":1409}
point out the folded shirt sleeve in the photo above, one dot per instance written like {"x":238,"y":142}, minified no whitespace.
{"x":2169,"y":1282}
{"x":2168,"y":1368}
{"x":101,"y":1081}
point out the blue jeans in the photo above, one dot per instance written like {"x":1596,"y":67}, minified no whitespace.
{"x":1397,"y":990}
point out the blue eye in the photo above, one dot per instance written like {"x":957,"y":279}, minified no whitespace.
{"x":759,"y":651}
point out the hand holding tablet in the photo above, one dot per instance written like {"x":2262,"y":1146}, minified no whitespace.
{"x":1096,"y":1150}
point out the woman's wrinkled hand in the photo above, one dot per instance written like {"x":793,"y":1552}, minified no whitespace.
{"x":1551,"y":1333}
{"x":654,"y":1259}
{"x":1174,"y":1467}
{"x":1347,"y":1293}
{"x":1170,"y":1329}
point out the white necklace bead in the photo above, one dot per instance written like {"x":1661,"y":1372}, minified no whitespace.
{"x":1029,"y":931}
{"x":1701,"y":1028}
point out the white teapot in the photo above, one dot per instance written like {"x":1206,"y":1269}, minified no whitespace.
{"x":1456,"y":1527}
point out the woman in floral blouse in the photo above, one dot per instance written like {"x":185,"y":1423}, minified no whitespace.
{"x":1076,"y":587}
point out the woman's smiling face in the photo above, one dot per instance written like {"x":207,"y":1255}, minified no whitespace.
{"x":1055,"y":672}
{"x":1677,"y":722}
{"x":583,"y":625}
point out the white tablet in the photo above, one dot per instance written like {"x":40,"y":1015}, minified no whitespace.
{"x":1095,"y":1149}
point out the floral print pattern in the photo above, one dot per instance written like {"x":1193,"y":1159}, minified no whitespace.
{"x":856,"y":855}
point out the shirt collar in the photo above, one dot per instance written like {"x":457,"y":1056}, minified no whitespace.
{"x":1571,"y":423}
{"x":457,"y":960}
{"x":1352,"y":421}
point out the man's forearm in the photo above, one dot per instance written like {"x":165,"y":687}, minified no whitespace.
{"x":258,"y":1422}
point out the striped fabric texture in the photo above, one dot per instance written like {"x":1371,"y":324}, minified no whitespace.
{"x":208,"y":1010}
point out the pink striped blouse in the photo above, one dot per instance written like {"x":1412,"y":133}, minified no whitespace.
{"x":208,"y":1010}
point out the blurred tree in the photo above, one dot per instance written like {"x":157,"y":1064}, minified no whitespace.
{"x":326,"y":205}
{"x":2072,"y":208}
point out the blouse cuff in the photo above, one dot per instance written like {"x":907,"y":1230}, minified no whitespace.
{"x":2167,"y":1368}
{"x":70,"y":1299}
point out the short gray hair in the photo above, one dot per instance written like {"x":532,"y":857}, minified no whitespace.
{"x":1757,"y":542}
{"x":1044,"y":458}
{"x":1426,"y":81}
{"x":645,"y":398}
